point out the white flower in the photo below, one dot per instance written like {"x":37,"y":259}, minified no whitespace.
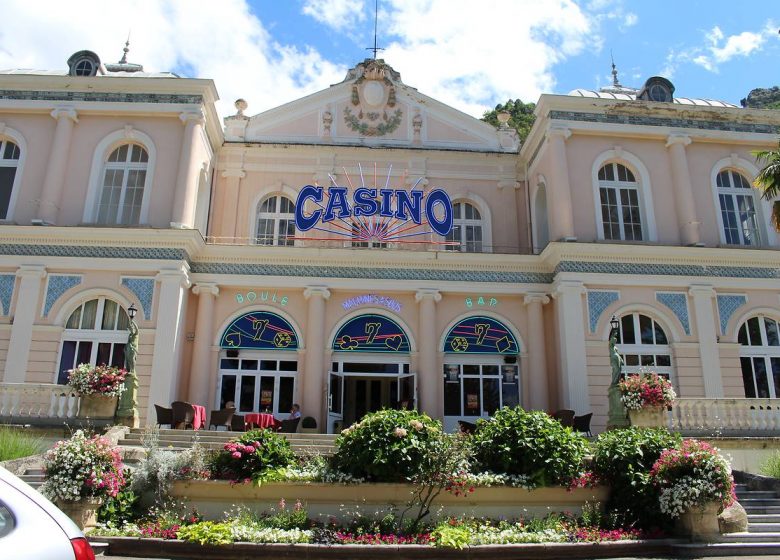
{"x":400,"y":432}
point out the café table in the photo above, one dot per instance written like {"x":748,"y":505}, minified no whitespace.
{"x":261,"y":420}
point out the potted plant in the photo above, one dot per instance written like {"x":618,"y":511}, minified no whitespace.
{"x":695,"y":484}
{"x":80,"y":473}
{"x":646,"y":396}
{"x":99,"y":388}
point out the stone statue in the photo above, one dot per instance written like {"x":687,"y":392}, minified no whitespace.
{"x":617,"y":412}
{"x":127,"y":411}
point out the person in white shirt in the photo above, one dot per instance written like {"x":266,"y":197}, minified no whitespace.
{"x":295,"y":412}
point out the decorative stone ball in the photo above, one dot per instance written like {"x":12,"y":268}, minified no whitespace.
{"x":241,"y":106}
{"x":373,"y":93}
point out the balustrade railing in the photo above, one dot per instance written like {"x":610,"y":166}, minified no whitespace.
{"x":737,"y":417}
{"x":37,"y":400}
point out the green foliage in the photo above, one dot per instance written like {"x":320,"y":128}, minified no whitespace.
{"x":531,"y":444}
{"x":521,"y":116}
{"x":16,"y":443}
{"x":251,"y":454}
{"x":119,"y":510}
{"x":286,"y":518}
{"x":387,"y":446}
{"x":768,"y":180}
{"x":771,"y":466}
{"x":446,"y":535}
{"x":623,"y":459}
{"x":207,"y":532}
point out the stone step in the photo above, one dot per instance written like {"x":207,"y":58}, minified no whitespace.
{"x":764,"y":518}
{"x":227,"y":434}
{"x":747,"y":537}
{"x":763,"y":527}
{"x":750,"y":502}
{"x":728,"y":549}
{"x":217,"y":445}
{"x":740,"y":487}
{"x":761,"y":510}
{"x":756,"y":495}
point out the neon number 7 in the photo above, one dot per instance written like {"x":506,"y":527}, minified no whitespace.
{"x":259,"y":325}
{"x":372,"y":329}
{"x":481,"y":330}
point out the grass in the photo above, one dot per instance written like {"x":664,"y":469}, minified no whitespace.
{"x":771,"y":467}
{"x":15,"y":444}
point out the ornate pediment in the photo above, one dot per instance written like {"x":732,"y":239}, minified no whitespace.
{"x":373,"y":110}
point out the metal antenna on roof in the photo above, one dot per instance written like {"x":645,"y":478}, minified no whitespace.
{"x":615,"y":82}
{"x":123,"y":60}
{"x":376,"y":15}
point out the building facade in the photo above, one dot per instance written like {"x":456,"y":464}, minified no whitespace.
{"x":369,"y":246}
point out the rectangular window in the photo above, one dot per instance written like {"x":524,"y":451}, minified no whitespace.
{"x":227,"y":393}
{"x":247,"y":395}
{"x":286,"y":390}
{"x":7,"y":176}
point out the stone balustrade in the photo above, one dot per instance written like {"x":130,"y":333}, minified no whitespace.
{"x":727,"y":417}
{"x":37,"y":401}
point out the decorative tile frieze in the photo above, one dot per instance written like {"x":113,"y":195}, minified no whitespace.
{"x":643,"y":120}
{"x":727,"y":305}
{"x":105,"y":97}
{"x":598,"y":301}
{"x":56,"y":285}
{"x":143,"y":288}
{"x":678,"y":303}
{"x":7,"y":282}
{"x":89,"y":251}
{"x":649,"y":269}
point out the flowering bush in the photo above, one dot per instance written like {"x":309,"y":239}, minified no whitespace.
{"x":83,"y":467}
{"x":646,"y":390}
{"x":691,"y":476}
{"x":97,"y":380}
{"x":248,"y":456}
{"x":387,"y":446}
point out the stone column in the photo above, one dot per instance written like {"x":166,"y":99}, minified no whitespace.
{"x":56,"y":166}
{"x":428,"y":375}
{"x":571,"y":334}
{"x":314,"y":380}
{"x":684,"y":204}
{"x":186,"y":193}
{"x":703,"y":300}
{"x":171,"y":305}
{"x":537,"y":357}
{"x":27,"y":307}
{"x":230,"y":202}
{"x":559,"y":205}
{"x":201,"y":368}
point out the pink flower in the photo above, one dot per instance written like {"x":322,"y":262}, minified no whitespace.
{"x":400,"y":432}
{"x":236,"y":455}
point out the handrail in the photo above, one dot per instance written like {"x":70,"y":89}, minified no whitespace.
{"x":38,"y":400}
{"x":725,"y":416}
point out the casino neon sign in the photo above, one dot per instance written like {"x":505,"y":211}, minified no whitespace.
{"x":376,"y":214}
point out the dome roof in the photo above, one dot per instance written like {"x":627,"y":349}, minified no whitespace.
{"x":628,"y":94}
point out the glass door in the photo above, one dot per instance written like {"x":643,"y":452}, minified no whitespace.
{"x":335,"y":402}
{"x":407,"y":391}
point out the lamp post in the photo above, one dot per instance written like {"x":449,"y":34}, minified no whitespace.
{"x":617,"y":412}
{"x":127,"y":412}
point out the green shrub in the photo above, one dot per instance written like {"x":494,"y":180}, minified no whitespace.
{"x":446,"y":535}
{"x":15,"y":444}
{"x":120,"y":509}
{"x":529,"y":444}
{"x":252,"y":453}
{"x":771,"y":466}
{"x":386,"y":446}
{"x":623,"y":459}
{"x":207,"y":532}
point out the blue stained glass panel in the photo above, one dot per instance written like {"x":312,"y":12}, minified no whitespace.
{"x":260,"y":330}
{"x":371,"y":333}
{"x":480,"y":335}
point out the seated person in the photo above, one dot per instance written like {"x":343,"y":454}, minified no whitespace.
{"x":295,"y":412}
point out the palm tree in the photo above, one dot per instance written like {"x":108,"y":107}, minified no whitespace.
{"x":768,"y":180}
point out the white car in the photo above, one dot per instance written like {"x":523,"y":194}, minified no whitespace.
{"x":31,"y":527}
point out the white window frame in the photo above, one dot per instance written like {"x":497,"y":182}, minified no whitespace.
{"x":642,"y":176}
{"x":639,"y":348}
{"x":735,"y":193}
{"x":126,"y":167}
{"x":7,"y":133}
{"x":276,"y":216}
{"x":764,"y":351}
{"x":464,"y":222}
{"x":259,"y":356}
{"x":617,"y":187}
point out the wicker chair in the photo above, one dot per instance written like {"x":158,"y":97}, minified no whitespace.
{"x":565,"y":417}
{"x":222,"y":417}
{"x":183,"y":415}
{"x":582,"y":424}
{"x":237,"y":423}
{"x":164,"y":415}
{"x":289,"y":426}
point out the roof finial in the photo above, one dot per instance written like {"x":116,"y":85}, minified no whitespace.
{"x":615,"y":82}
{"x":126,"y":50}
{"x":376,"y":16}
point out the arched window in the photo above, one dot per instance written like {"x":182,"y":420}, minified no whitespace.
{"x":9,"y":163}
{"x":95,"y":333}
{"x":122,"y":190}
{"x":466,"y":233}
{"x":364,"y":238}
{"x":644,"y":345}
{"x":619,"y":197}
{"x":275,"y":221}
{"x":760,"y":358}
{"x":737,"y":208}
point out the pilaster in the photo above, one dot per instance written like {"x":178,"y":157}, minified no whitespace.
{"x":571,"y":334}
{"x":201,"y":379}
{"x":703,"y":296}
{"x":560,"y":213}
{"x":186,"y":193}
{"x":26,"y":309}
{"x":538,"y":385}
{"x":230,"y":198}
{"x":56,"y":165}
{"x":685,"y":206}
{"x":428,"y":374}
{"x":315,"y":379}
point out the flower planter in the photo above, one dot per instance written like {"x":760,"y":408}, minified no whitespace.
{"x":700,"y":523}
{"x":84,"y":512}
{"x":648,"y":417}
{"x":97,"y":406}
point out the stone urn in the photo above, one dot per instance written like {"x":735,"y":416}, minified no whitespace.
{"x":97,"y":406}
{"x":700,"y":523}
{"x":648,"y":417}
{"x":83,"y":513}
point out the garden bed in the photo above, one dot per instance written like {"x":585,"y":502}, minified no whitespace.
{"x":213,"y":497}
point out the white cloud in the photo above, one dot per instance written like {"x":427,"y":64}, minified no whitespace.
{"x":223,"y":41}
{"x":337,"y":14}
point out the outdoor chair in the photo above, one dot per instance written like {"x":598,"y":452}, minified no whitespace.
{"x":164,"y":415}
{"x":237,"y":423}
{"x":222,"y":417}
{"x":183,"y":415}
{"x":582,"y":424}
{"x":289,"y":426}
{"x":466,"y":427}
{"x":565,"y":417}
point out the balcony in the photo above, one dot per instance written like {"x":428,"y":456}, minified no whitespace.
{"x":726,"y":417}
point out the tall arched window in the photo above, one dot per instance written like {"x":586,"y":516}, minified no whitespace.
{"x":9,"y":163}
{"x":760,"y":358}
{"x":122,"y":190}
{"x":95,"y":333}
{"x":466,"y":233}
{"x":737,"y":208}
{"x":275,"y":221}
{"x":621,"y":213}
{"x":644,"y":345}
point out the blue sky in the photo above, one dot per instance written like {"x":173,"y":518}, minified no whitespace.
{"x":470,"y":54}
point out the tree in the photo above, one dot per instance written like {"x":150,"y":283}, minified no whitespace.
{"x":768,"y":180}
{"x":521,"y":116}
